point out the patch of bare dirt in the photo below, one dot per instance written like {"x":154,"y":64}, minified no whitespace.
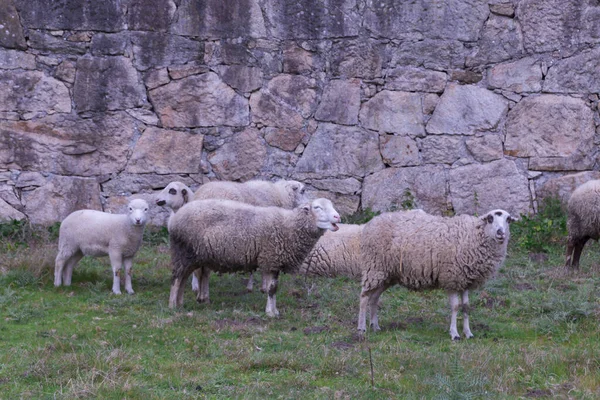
{"x":315,"y":329}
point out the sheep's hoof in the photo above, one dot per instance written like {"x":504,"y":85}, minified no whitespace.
{"x":469,"y":336}
{"x":456,"y":338}
{"x":273,"y":314}
{"x":361,"y":335}
{"x":116,"y":292}
{"x":203,"y":301}
{"x":375,"y":328}
{"x":130,"y":292}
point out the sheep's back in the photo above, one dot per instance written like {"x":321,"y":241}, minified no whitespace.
{"x":229,"y":236}
{"x":336,"y":254}
{"x":422,"y":251}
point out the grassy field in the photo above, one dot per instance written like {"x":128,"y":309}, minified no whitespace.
{"x":537,"y":332}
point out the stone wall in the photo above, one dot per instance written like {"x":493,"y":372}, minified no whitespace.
{"x":451,"y":106}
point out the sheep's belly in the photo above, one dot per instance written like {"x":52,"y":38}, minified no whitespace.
{"x":94,"y":251}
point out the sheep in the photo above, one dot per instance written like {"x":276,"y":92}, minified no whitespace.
{"x":583,"y":220}
{"x":421,"y":251}
{"x":335,"y":254}
{"x":229,"y":236}
{"x":96,"y":233}
{"x":174,"y":196}
{"x":283,"y":193}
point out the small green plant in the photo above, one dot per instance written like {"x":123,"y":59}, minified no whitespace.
{"x":476,"y":202}
{"x":360,"y":216}
{"x":540,"y":232}
{"x":15,"y":234}
{"x":460,"y":384}
{"x":408,"y":200}
{"x":155,"y":235}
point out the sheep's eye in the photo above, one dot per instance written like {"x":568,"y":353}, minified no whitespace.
{"x":317,"y":207}
{"x":146,"y":209}
{"x":302,"y":191}
{"x":130,"y":209}
{"x":172,"y":191}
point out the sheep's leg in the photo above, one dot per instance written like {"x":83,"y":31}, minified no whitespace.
{"x":203,"y":276}
{"x":465,"y":309}
{"x":128,"y":262}
{"x":271,"y":309}
{"x":195,"y":283}
{"x":250,"y":285}
{"x":116,"y":261}
{"x":374,"y":306}
{"x":266,"y":281}
{"x":578,"y":248}
{"x":174,"y":295}
{"x":454,"y":306}
{"x":569,"y":254}
{"x":69,"y":266}
{"x":362,"y":312}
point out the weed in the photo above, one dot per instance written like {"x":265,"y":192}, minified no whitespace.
{"x":540,"y":232}
{"x":408,"y":200}
{"x":459,"y":384}
{"x":360,"y":217}
{"x":156,"y":235}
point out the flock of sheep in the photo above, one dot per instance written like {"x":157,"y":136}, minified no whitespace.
{"x":271,"y":227}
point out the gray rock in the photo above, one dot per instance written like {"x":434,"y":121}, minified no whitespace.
{"x":452,"y":19}
{"x":550,"y":25}
{"x":219,"y":19}
{"x":357,"y":59}
{"x":68,"y":145}
{"x":442,"y":149}
{"x":465,"y":110}
{"x":199,"y":100}
{"x":240,"y":158}
{"x":286,"y":101}
{"x":66,"y":71}
{"x":297,"y":60}
{"x":340,"y":102}
{"x":156,"y":77}
{"x":503,"y":7}
{"x":166,"y":152}
{"x":278,"y":164}
{"x":305,"y":19}
{"x":13,"y":59}
{"x":154,"y":50}
{"x":501,"y":40}
{"x":577,"y":74}
{"x":60,"y":196}
{"x":284,"y":139}
{"x":406,"y":188}
{"x":550,"y":129}
{"x":399,"y":151}
{"x":188,"y":69}
{"x":479,"y":188}
{"x":350,"y":186}
{"x":485,"y":148}
{"x":150,"y":15}
{"x":331,"y":153}
{"x":77,"y":15}
{"x":111,"y":44}
{"x":240,"y":77}
{"x":107,"y":83}
{"x":44,"y":42}
{"x":434,"y":54}
{"x":394,"y":112}
{"x":33,"y":91}
{"x":524,"y":75}
{"x":11,"y":34}
{"x":415,"y":80}
{"x":124,"y":184}
{"x":9,"y":213}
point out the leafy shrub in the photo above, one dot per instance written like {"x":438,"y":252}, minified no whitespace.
{"x":546,"y":229}
{"x":360,"y":217}
{"x":155,"y":235}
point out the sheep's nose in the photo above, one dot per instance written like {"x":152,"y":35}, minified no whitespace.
{"x":336,"y":217}
{"x":500,"y":232}
{"x":160,"y":202}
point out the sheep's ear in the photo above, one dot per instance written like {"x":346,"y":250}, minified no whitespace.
{"x":186,"y":198}
{"x":511,"y":219}
{"x":295,"y":186}
{"x":305,"y":208}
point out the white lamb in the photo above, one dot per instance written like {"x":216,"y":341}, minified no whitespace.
{"x":421,"y":251}
{"x":96,"y":233}
{"x":229,"y":236}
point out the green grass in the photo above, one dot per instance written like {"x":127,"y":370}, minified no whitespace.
{"x":537,"y":334}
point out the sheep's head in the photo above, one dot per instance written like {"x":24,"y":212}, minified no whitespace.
{"x":326,"y":216}
{"x":296,"y":190}
{"x":497,"y":225}
{"x":174,"y":196}
{"x":137,"y":210}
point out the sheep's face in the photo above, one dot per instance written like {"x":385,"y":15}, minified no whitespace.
{"x":325,"y":214}
{"x":138,"y":212}
{"x":497,"y":225}
{"x":174,"y":196}
{"x":297,"y":191}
